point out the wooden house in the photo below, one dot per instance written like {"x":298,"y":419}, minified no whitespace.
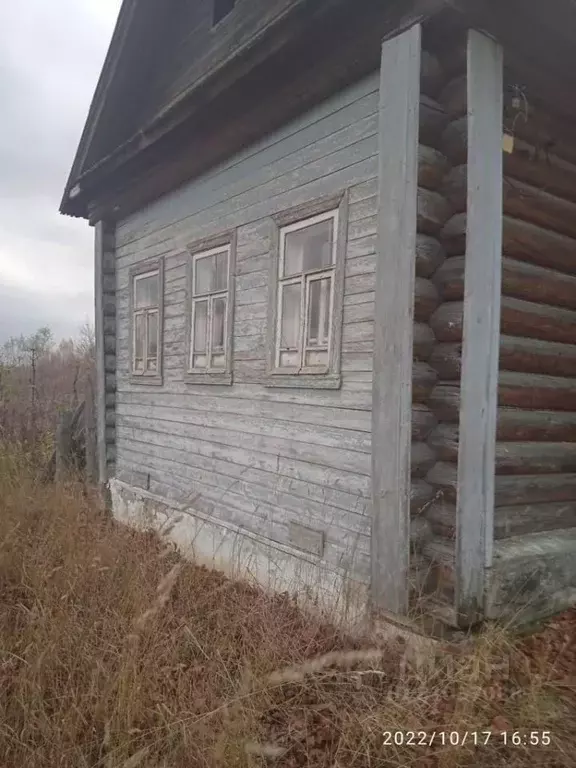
{"x":336,"y":295}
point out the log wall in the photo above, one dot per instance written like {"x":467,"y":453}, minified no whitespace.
{"x":536,"y":439}
{"x":434,"y":210}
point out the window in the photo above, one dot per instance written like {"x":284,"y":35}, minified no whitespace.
{"x":308,"y":296}
{"x":210,"y":317}
{"x":221,"y":9}
{"x":146,"y":316}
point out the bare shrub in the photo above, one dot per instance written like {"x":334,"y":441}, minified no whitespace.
{"x":38,"y":379}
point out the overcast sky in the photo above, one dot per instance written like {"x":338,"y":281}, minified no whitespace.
{"x":51,"y":54}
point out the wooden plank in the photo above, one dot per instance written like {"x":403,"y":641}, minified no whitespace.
{"x":476,"y":455}
{"x":395,"y":276}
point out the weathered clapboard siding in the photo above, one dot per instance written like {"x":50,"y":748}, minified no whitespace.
{"x":247,"y":454}
{"x":195,"y":50}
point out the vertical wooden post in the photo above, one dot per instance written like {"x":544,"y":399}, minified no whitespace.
{"x":394,"y":319}
{"x":100,"y":394}
{"x":481,"y":333}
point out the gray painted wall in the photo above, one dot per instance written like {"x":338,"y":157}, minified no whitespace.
{"x":257,"y":457}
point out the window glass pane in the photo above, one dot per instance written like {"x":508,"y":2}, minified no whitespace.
{"x":290,"y":333}
{"x":200,"y":326}
{"x":146,"y":291}
{"x":204,"y":278}
{"x":218,"y":361}
{"x":308,"y":248}
{"x":152,"y":334}
{"x":318,"y":312}
{"x":152,"y":364}
{"x":221,"y":279}
{"x":218,"y":321}
{"x":139,"y":336}
{"x":199,"y":361}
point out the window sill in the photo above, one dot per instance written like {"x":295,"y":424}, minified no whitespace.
{"x":304,"y":381}
{"x":213,"y":379}
{"x":152,"y":381}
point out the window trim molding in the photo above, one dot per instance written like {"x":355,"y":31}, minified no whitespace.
{"x":223,"y":377}
{"x":331,"y":378}
{"x":151,"y":265}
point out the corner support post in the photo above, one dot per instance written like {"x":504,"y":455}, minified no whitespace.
{"x":481,"y":329}
{"x":394,"y":320}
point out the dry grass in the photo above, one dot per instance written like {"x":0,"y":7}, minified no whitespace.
{"x":113,"y":653}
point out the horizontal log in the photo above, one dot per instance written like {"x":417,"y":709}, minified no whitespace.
{"x":446,"y":321}
{"x":422,"y":459}
{"x":546,"y":131}
{"x":426,"y":299}
{"x":524,"y":201}
{"x":537,"y":321}
{"x":520,"y":200}
{"x":432,"y":167}
{"x":433,"y":211}
{"x":509,"y":489}
{"x":516,"y":520}
{"x":421,"y":494}
{"x":517,"y":354}
{"x":515,"y":390}
{"x":454,"y":140}
{"x":453,"y":96}
{"x":424,"y":379}
{"x":534,"y":489}
{"x":520,"y":280}
{"x":444,"y":401}
{"x":521,"y":240}
{"x":446,"y":359}
{"x":420,"y":532}
{"x":534,"y":391}
{"x":423,"y":422}
{"x":539,"y":426}
{"x":449,"y":279}
{"x":513,"y":424}
{"x":429,"y":255}
{"x":518,"y":318}
{"x":443,"y":477}
{"x":524,"y":458}
{"x":454,"y":187}
{"x":542,"y":130}
{"x":542,"y":169}
{"x":529,"y":162}
{"x":423,"y":342}
{"x":444,"y":442}
{"x":525,"y":355}
{"x":431,"y":73}
{"x":433,"y":119}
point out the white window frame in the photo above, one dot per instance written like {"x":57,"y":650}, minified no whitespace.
{"x":140,"y":272}
{"x":304,"y":279}
{"x":322,"y":376}
{"x":225,"y":243}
